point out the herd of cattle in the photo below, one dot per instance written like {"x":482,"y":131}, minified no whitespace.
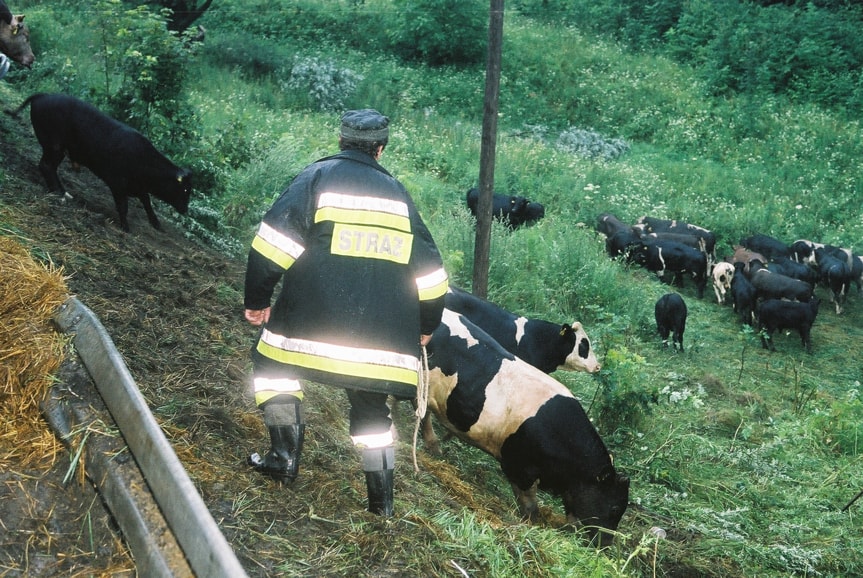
{"x":769,"y":284}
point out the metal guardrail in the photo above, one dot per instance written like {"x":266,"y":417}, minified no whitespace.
{"x":205,"y":548}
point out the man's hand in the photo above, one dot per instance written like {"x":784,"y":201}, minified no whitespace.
{"x":258,"y":316}
{"x":424,"y":340}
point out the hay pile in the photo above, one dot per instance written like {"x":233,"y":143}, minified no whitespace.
{"x":30,"y":353}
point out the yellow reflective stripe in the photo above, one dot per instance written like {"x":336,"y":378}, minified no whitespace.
{"x":277,"y":385}
{"x":372,"y":441}
{"x":372,"y":211}
{"x":343,"y":360}
{"x":372,"y":243}
{"x":433,"y":285}
{"x":276,"y":246}
{"x":263,"y":397}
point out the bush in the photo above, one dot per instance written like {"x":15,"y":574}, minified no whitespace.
{"x":439,"y":32}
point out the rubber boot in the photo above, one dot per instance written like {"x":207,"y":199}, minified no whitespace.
{"x":380,"y":489}
{"x":282,"y":462}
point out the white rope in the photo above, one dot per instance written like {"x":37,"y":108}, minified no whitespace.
{"x":422,"y":401}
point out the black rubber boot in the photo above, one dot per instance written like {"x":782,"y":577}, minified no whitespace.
{"x":380,"y":490}
{"x":282,"y":462}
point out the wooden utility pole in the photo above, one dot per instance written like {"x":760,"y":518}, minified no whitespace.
{"x":482,"y":246}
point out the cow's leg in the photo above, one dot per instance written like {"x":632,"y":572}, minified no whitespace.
{"x":430,"y":439}
{"x":678,"y":339}
{"x":48,"y":165}
{"x":151,"y":214}
{"x":806,"y":337}
{"x":121,"y":203}
{"x":527,"y":504}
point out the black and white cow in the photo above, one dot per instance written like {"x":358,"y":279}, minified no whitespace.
{"x":670,"y":314}
{"x":777,"y":314}
{"x":835,"y":274}
{"x":531,"y":423}
{"x":511,"y":210}
{"x":546,"y":345}
{"x":660,"y":256}
{"x":656,"y":225}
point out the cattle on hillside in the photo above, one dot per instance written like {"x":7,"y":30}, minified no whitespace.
{"x":119,"y":155}
{"x":768,"y":246}
{"x":778,"y":314}
{"x":834,"y":274}
{"x":670,"y":314}
{"x":511,"y":210}
{"x":622,"y":243}
{"x":656,"y":225}
{"x":743,"y":255}
{"x":546,"y":345}
{"x":15,"y":37}
{"x":608,"y":224}
{"x":770,"y":285}
{"x":791,"y":268}
{"x":679,"y":260}
{"x":528,"y":421}
{"x":723,"y":273}
{"x":743,"y":295}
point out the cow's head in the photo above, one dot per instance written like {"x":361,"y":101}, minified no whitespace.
{"x":597,"y":504}
{"x":582,"y":357}
{"x":15,"y":41}
{"x":179,"y":191}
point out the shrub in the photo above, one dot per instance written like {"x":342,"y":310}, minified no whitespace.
{"x":441,"y":32}
{"x":325,"y":85}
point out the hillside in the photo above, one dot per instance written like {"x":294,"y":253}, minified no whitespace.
{"x":174,"y":311}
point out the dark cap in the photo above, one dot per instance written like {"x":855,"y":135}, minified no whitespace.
{"x":366,"y":125}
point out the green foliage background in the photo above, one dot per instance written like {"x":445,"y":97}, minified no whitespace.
{"x":738,"y":116}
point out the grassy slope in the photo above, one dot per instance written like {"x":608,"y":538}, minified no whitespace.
{"x":737,"y":462}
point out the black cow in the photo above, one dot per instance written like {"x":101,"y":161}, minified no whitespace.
{"x":768,"y":246}
{"x":773,"y":314}
{"x":770,"y":285}
{"x":545,"y":345}
{"x":670,"y":313}
{"x":743,"y":294}
{"x":794,"y":269}
{"x":513,"y":211}
{"x":119,"y":155}
{"x":660,"y":256}
{"x":531,"y":423}
{"x":835,"y":274}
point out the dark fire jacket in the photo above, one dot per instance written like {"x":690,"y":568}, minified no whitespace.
{"x":361,"y":279}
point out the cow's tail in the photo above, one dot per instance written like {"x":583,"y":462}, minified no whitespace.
{"x":14,"y":113}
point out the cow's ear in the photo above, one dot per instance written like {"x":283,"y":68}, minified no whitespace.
{"x":576,"y":325}
{"x":564,"y":329}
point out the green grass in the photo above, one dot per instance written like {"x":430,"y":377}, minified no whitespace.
{"x":747,"y":457}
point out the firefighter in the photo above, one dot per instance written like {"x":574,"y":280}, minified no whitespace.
{"x":363,"y":288}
